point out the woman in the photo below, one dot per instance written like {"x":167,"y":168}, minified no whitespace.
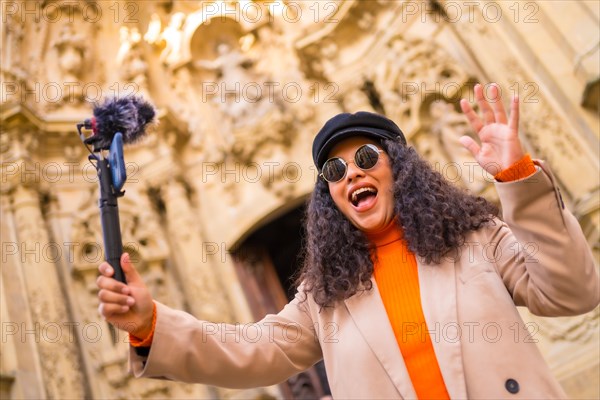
{"x":409,"y":286}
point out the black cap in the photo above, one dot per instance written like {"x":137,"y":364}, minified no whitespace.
{"x":346,"y":125}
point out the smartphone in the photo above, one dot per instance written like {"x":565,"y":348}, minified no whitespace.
{"x":116,"y":162}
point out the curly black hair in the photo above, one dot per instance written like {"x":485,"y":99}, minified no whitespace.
{"x":434,"y":214}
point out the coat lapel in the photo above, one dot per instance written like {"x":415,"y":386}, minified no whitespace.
{"x":438,"y":298}
{"x":369,"y":315}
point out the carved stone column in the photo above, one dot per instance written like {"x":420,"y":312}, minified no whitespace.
{"x":51,"y":323}
{"x":201,"y":284}
{"x":20,"y":370}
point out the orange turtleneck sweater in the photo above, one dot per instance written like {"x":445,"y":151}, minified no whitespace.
{"x":398,"y":283}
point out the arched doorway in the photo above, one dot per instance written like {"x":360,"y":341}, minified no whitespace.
{"x":266,"y":263}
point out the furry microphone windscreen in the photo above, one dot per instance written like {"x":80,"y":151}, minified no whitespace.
{"x":129,"y":115}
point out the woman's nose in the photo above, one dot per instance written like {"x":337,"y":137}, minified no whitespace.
{"x":353,"y":171}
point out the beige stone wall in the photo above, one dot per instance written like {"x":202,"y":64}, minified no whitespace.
{"x":241,"y":89}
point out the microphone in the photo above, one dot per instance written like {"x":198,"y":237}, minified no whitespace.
{"x":117,"y":121}
{"x":128,"y":115}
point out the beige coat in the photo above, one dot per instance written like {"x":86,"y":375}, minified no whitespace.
{"x":469,"y":304}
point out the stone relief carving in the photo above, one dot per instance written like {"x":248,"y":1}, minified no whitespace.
{"x":587,"y":211}
{"x":72,"y":50}
{"x":132,"y":66}
{"x":16,"y":149}
{"x":139,"y":229}
{"x":277,"y":173}
{"x":366,"y":21}
{"x":236,"y":110}
{"x":239,"y":111}
{"x":438,"y":142}
{"x":414,"y":69}
{"x":202,"y":283}
{"x":61,"y":375}
{"x":249,"y":115}
{"x":172,"y":37}
{"x":356,"y":100}
{"x":581,"y":329}
{"x":545,"y":133}
{"x":238,"y":87}
{"x":12,"y":72}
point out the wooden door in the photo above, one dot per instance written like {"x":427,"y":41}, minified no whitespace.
{"x":265,"y":265}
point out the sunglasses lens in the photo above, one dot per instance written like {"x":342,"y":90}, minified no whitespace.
{"x":334,"y":169}
{"x":366,"y":157}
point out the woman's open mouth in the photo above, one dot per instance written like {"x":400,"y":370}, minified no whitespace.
{"x":363,"y":198}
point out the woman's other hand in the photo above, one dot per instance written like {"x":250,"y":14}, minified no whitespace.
{"x":500,"y":145}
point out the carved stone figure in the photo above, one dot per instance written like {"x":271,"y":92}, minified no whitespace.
{"x":71,"y":48}
{"x":173,"y":38}
{"x":356,"y":100}
{"x":413,"y":70}
{"x":132,"y":66}
{"x":71,"y":55}
{"x":238,"y":89}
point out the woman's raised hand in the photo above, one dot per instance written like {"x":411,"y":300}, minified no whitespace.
{"x":500,"y":145}
{"x":128,"y":307}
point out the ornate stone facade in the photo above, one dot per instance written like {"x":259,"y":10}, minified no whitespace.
{"x":241,"y":88}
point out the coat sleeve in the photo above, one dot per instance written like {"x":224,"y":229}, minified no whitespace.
{"x":230,"y":355}
{"x":540,"y":250}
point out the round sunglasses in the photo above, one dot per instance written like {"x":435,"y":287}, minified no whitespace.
{"x":365,"y":158}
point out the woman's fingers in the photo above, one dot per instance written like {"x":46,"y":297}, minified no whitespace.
{"x":108,"y":310}
{"x":499,"y":112}
{"x":470,"y":144}
{"x":131,"y":274}
{"x":107,"y":296}
{"x":112,"y":285}
{"x":513,"y":122}
{"x":471,"y":115}
{"x":105,"y":269}
{"x":127,"y":307}
{"x":484,"y":106}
